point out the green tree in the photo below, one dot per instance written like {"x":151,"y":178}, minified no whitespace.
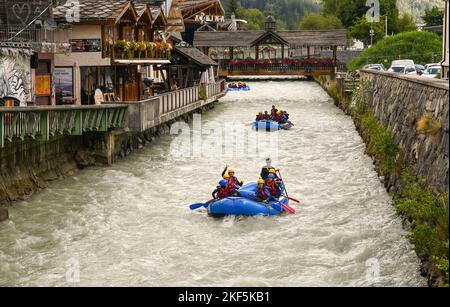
{"x":232,"y":7}
{"x":254,"y":17}
{"x":361,"y":30}
{"x":420,"y":47}
{"x":315,"y":21}
{"x":348,"y":11}
{"x":389,"y":8}
{"x":406,"y":23}
{"x":433,"y":17}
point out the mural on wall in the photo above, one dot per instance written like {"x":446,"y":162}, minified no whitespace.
{"x":22,"y":12}
{"x":15,"y":74}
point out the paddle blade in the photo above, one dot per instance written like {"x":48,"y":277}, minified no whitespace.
{"x":196,"y":206}
{"x":289,"y":209}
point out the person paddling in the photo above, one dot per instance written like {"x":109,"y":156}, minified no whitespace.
{"x":233,"y":178}
{"x":259,"y":117}
{"x":221,"y":190}
{"x":273,"y":112}
{"x":262,"y":194}
{"x":273,"y":186}
{"x":266,"y":169}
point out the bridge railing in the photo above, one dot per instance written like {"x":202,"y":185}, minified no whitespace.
{"x":276,"y":68}
{"x":21,"y":123}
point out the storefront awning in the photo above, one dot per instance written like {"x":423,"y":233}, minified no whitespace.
{"x":140,"y":62}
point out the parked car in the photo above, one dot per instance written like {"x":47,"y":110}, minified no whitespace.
{"x":432,"y":72}
{"x":403,"y":66}
{"x":432,"y":64}
{"x":374,"y":67}
{"x":419,"y":68}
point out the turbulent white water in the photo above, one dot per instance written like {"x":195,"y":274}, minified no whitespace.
{"x":130,"y":224}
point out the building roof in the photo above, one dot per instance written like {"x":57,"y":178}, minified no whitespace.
{"x":193,"y":4}
{"x":321,"y":38}
{"x":92,"y":10}
{"x":269,"y":37}
{"x":196,"y":55}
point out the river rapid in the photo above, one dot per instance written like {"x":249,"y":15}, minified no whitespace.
{"x":129,"y":224}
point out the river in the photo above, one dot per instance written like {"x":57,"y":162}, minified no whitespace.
{"x":129,"y":224}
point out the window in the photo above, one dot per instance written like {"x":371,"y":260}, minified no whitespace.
{"x":127,"y":33}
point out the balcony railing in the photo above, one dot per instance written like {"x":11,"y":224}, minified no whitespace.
{"x":15,"y":34}
{"x":130,"y":50}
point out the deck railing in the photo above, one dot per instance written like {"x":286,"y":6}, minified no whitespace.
{"x":21,"y":123}
{"x":40,"y":123}
{"x":35,"y":35}
{"x":146,"y":114}
{"x":174,"y":100}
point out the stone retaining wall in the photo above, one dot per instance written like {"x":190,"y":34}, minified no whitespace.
{"x":399,"y":102}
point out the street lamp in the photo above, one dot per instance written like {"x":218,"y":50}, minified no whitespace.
{"x":372,"y":33}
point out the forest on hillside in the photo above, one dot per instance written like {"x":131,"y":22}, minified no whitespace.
{"x":290,"y":13}
{"x":287,"y":12}
{"x":400,"y":16}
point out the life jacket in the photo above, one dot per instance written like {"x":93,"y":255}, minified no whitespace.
{"x":233,"y":180}
{"x":259,"y":117}
{"x":267,"y":116}
{"x":261,"y":193}
{"x":223,"y":192}
{"x":273,"y":112}
{"x":231,"y":186}
{"x":273,"y":189}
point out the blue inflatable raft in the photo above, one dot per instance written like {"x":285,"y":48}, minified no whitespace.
{"x":246,"y":204}
{"x":235,"y":89}
{"x":270,"y":125}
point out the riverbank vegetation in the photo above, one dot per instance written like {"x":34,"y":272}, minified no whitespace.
{"x":422,"y":47}
{"x":425,"y":213}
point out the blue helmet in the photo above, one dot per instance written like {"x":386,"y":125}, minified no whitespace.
{"x":223,"y":183}
{"x":272,"y":176}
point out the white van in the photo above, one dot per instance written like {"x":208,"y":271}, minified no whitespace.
{"x":403,"y":66}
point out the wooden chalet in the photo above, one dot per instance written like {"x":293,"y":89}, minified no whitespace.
{"x":115,"y":46}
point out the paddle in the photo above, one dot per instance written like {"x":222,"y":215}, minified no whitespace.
{"x":293,"y":199}
{"x":285,"y":191}
{"x":199,"y":205}
{"x":288,"y":209}
{"x":225,"y":170}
